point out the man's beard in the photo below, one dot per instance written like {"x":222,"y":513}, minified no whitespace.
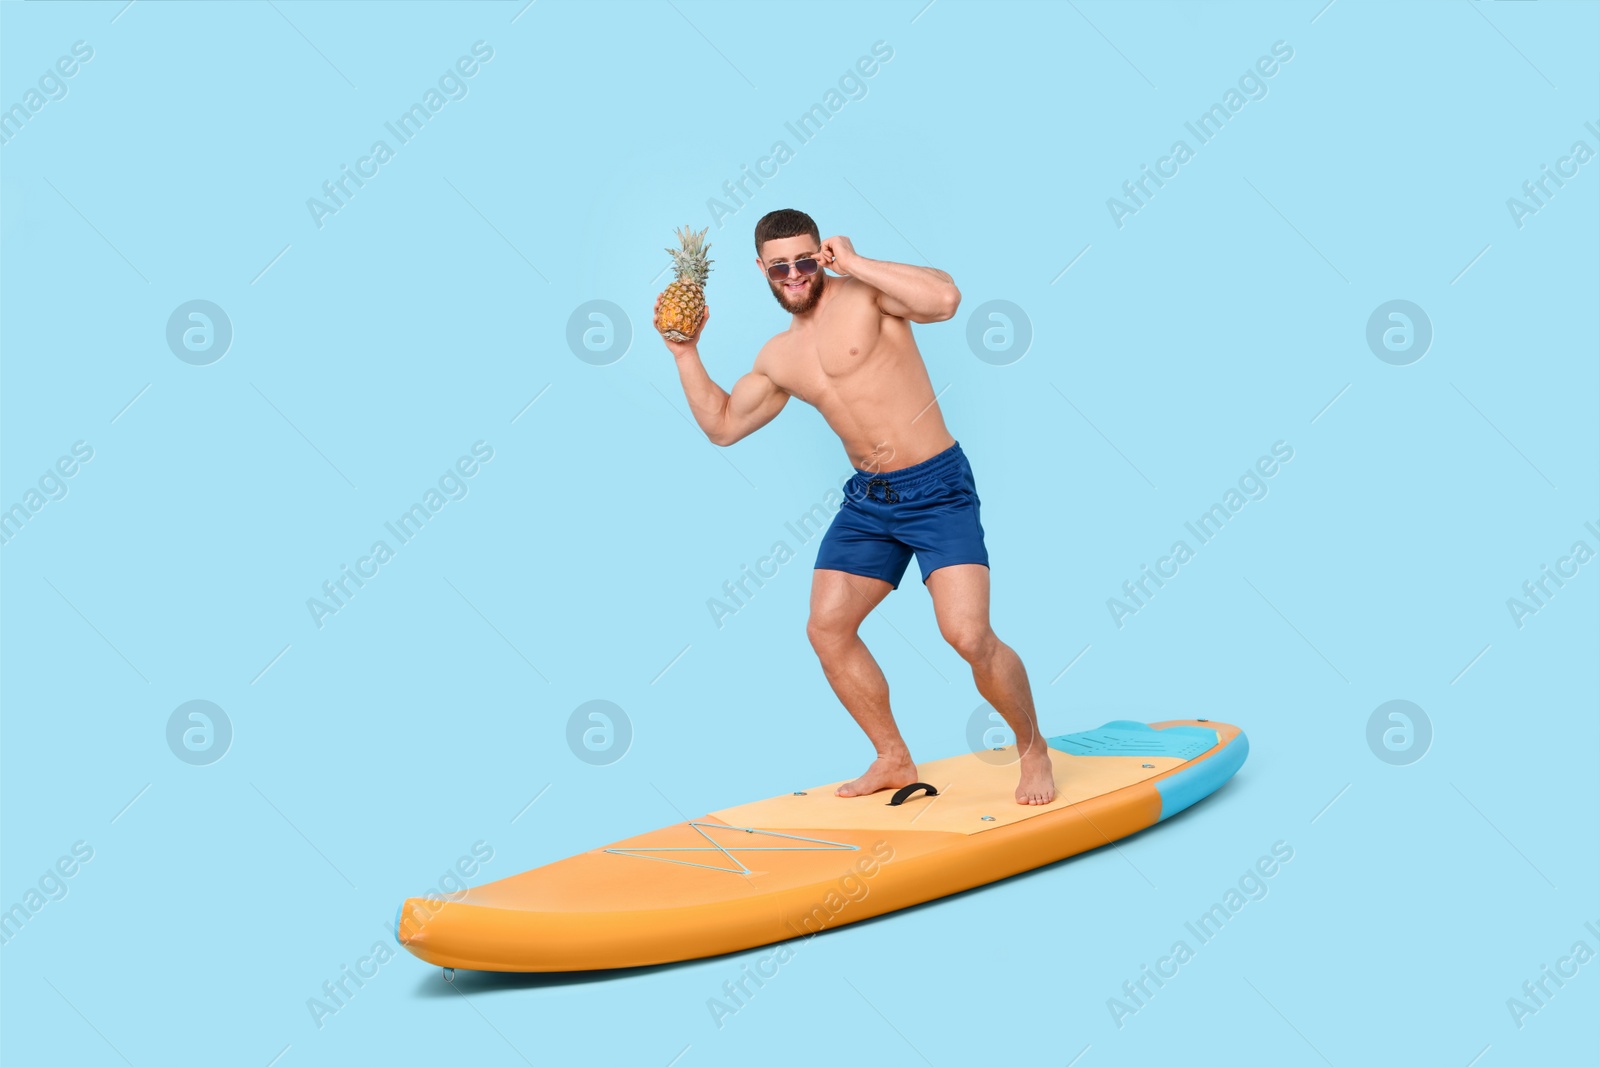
{"x":814,"y":293}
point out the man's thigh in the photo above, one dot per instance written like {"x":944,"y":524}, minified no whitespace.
{"x":960,"y":596}
{"x":843,"y":599}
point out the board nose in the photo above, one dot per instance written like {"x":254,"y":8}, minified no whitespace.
{"x":409,"y":924}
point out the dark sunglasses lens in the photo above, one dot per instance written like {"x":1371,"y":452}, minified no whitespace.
{"x":779,"y":271}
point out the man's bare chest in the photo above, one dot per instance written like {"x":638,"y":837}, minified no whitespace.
{"x":826,"y":358}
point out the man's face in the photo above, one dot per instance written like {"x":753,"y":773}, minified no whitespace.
{"x":797,"y":293}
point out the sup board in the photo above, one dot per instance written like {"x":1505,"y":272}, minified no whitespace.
{"x":794,"y":865}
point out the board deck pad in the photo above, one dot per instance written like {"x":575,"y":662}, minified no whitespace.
{"x":970,"y":787}
{"x":805,"y":861}
{"x":1124,"y":738}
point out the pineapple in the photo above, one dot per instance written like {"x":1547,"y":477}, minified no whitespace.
{"x":682,"y":308}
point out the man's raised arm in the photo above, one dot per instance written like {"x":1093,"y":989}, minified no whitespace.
{"x":921,"y":294}
{"x":725,"y":417}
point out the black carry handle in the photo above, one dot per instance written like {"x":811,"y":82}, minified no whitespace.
{"x":902,"y":795}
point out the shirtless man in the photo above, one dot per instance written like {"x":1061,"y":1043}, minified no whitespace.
{"x":849,"y":353}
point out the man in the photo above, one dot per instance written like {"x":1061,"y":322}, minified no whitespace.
{"x":849,"y":353}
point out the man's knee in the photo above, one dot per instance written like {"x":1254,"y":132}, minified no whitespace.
{"x":827,"y":631}
{"x":971,"y":640}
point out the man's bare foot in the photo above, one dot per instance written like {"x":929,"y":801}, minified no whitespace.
{"x":886,"y":772}
{"x":1038,"y":785}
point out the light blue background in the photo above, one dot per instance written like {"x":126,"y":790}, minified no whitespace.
{"x":369,"y":754}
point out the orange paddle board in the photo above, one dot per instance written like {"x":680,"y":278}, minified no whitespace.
{"x":807,"y":861}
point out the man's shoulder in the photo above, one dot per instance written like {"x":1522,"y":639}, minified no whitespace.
{"x":854,"y":288}
{"x":774,"y":354}
{"x":775,"y":345}
{"x":856,"y":295}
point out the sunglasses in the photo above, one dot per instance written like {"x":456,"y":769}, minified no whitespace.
{"x":805,"y":265}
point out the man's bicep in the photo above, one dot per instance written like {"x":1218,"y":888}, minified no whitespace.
{"x":754,"y":402}
{"x":889,"y":305}
{"x":900,"y":310}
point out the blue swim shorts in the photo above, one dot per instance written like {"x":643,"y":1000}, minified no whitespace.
{"x":929,"y":508}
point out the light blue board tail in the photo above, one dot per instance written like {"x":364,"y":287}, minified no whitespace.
{"x":1178,"y":791}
